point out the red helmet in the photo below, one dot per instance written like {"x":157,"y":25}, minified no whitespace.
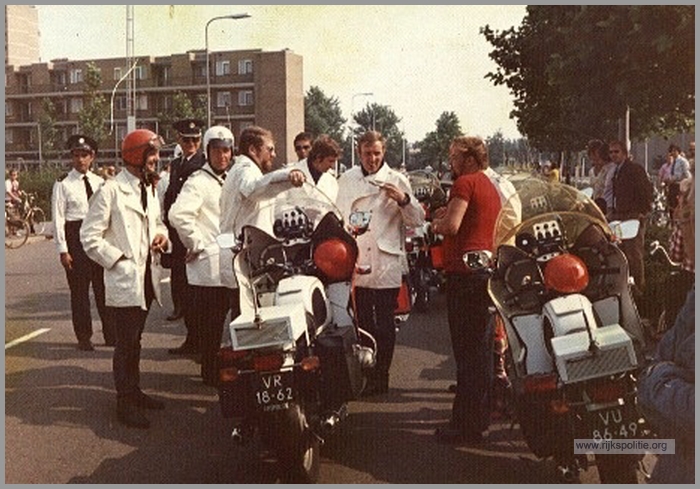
{"x":566,"y":274}
{"x":137,"y":143}
{"x":335,"y":258}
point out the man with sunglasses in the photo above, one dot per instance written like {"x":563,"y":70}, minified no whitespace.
{"x":302,"y":145}
{"x":69,"y":205}
{"x":189,"y":137}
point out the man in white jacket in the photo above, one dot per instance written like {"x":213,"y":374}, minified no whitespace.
{"x":124,"y":233}
{"x":195,"y":216}
{"x":249,"y":184}
{"x":318,"y":167}
{"x":377,"y":188}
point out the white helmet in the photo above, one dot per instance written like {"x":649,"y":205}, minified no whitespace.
{"x":219,"y":136}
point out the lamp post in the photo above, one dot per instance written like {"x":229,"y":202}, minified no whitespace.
{"x":352,"y":130}
{"x":206,"y":50}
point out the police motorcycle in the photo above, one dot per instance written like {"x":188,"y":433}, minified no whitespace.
{"x":560,"y":286}
{"x":295,"y":357}
{"x":422,"y":275}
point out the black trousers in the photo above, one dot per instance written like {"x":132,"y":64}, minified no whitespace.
{"x":85,"y":272}
{"x":211,"y":305}
{"x":130,"y":322}
{"x":182,"y":293}
{"x":472,"y":345}
{"x":375,"y":314}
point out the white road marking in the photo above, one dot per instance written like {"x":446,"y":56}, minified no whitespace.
{"x":26,"y":337}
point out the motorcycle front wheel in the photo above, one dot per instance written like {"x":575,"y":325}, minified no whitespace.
{"x":298,"y":449}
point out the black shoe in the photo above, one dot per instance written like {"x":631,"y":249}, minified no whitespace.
{"x":452,"y":388}
{"x":128,"y":414}
{"x":86,"y":345}
{"x":175,"y":316}
{"x":184,"y":349}
{"x":143,"y":401}
{"x":450,"y":435}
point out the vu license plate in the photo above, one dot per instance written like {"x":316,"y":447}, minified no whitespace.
{"x":615,"y":423}
{"x":274,"y":391}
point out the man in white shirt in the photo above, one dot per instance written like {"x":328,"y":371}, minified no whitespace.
{"x":124,"y":233}
{"x":69,"y":205}
{"x":195,"y":216}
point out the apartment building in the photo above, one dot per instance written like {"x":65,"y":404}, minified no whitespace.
{"x":248,"y":87}
{"x":21,"y":35}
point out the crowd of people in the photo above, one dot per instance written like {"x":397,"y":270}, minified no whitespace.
{"x":117,"y":234}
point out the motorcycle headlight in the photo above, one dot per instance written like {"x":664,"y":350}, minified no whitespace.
{"x":566,"y":273}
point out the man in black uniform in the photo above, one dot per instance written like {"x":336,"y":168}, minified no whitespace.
{"x":192,"y":159}
{"x":69,"y":204}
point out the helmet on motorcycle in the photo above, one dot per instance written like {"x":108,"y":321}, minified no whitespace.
{"x":335,"y":259}
{"x":137,"y":143}
{"x":566,"y":273}
{"x":218,"y":137}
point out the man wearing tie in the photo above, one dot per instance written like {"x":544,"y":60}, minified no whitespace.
{"x":69,"y":205}
{"x":124,"y":233}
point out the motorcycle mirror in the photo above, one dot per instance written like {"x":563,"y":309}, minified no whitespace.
{"x":226,"y":240}
{"x":477,"y":260}
{"x":625,"y":229}
{"x":359,"y":221}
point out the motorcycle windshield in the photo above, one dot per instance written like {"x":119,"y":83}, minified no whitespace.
{"x":538,"y":201}
{"x":426,"y":187}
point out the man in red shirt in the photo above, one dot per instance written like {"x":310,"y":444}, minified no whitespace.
{"x":467,"y":225}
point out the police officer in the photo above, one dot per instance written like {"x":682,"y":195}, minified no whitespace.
{"x":123,"y":231}
{"x":192,"y":159}
{"x":195,"y":215}
{"x":69,"y":206}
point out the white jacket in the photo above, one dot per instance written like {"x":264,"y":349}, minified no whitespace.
{"x":245,"y":190}
{"x":382,"y":246}
{"x":195,"y":216}
{"x":327,"y":183}
{"x":115,"y":226}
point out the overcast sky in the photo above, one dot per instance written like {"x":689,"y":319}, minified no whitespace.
{"x":419,"y":60}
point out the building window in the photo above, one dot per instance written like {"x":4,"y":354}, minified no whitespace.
{"x":9,"y":135}
{"x":223,"y":99}
{"x":120,"y":102}
{"x":140,"y":72}
{"x":245,"y":97}
{"x":245,"y":66}
{"x":121,"y":133}
{"x":8,"y":109}
{"x":117,"y":74}
{"x":223,"y":68}
{"x":76,"y":105}
{"x":200,"y":70}
{"x":59,"y":77}
{"x":76,"y":75}
{"x":142,"y":102}
{"x":167,"y":102}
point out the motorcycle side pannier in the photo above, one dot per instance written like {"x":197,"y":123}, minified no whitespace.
{"x":341,"y":374}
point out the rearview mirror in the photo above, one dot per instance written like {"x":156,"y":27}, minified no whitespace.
{"x":359,"y":221}
{"x":625,"y":229}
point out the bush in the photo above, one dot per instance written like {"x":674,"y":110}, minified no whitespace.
{"x":40,"y":182}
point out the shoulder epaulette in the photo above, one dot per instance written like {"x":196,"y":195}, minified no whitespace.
{"x":61,"y":177}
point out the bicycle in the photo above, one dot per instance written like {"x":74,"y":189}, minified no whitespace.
{"x":16,"y":228}
{"x":33,"y":214}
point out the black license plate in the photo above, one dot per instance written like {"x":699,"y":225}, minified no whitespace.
{"x":619,"y":422}
{"x":274,"y":391}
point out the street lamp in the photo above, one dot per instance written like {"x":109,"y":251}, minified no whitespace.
{"x":206,"y":49}
{"x":352,"y":131}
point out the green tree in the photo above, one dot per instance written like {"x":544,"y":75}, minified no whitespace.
{"x":183,"y":108}
{"x":383,"y":119}
{"x":435,"y":147}
{"x":93,"y":117}
{"x":574,"y":70}
{"x":48,"y":130}
{"x":322,"y":114}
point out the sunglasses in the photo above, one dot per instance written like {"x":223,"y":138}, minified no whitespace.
{"x":305,"y":146}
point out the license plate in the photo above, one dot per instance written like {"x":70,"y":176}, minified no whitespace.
{"x":274,"y":391}
{"x":615,"y":423}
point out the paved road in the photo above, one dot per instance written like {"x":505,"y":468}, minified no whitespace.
{"x":60,"y":425}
